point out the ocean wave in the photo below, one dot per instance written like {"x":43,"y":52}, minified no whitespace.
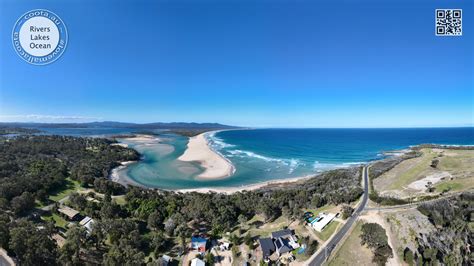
{"x":320,"y":167}
{"x":216,"y":142}
{"x":292,"y":164}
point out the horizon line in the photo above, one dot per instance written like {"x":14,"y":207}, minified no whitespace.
{"x":250,"y":127}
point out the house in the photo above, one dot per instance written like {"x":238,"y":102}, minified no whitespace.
{"x":322,"y":220}
{"x":285,"y":241}
{"x":60,"y":241}
{"x":166,"y":260}
{"x":281,"y":242}
{"x":87,"y":222}
{"x":267,"y":246}
{"x":199,"y":243}
{"x":197,"y":262}
{"x":224,"y":246}
{"x":70,"y":213}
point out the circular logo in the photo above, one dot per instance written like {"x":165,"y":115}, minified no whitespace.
{"x":39,"y":37}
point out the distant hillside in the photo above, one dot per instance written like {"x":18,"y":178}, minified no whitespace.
{"x":112,"y":124}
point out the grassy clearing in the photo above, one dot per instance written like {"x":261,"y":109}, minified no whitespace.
{"x":457,"y":160}
{"x":257,"y":226}
{"x":328,"y":230}
{"x":69,"y":187}
{"x":449,"y":186}
{"x":326,"y":208}
{"x":458,"y":163}
{"x":351,"y":251}
{"x":413,"y":170}
{"x":120,"y":200}
{"x":58,"y":220}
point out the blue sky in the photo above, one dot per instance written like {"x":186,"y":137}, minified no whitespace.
{"x":250,"y":63}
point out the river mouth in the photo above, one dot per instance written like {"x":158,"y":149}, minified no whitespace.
{"x":263,"y":155}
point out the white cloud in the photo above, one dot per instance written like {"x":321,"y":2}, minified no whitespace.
{"x":47,"y":118}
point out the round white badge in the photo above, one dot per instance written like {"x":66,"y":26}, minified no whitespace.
{"x":39,"y":37}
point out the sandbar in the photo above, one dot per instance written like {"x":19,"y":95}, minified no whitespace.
{"x":214,"y":164}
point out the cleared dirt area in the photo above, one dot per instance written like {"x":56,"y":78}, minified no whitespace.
{"x":443,"y":169}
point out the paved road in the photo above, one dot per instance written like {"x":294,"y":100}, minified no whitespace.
{"x":321,"y":257}
{"x":4,"y":259}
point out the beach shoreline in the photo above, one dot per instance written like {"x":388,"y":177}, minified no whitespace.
{"x":215,"y":165}
{"x":199,"y":145}
{"x":250,"y":187}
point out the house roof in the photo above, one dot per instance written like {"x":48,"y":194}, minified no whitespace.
{"x":85,"y":220}
{"x":325,"y":220}
{"x":166,"y":258}
{"x":267,"y":246}
{"x":198,"y":239}
{"x":197,"y":262}
{"x":87,"y":223}
{"x":282,"y":233}
{"x":69,"y":212}
{"x":282,"y":245}
{"x":59,"y":240}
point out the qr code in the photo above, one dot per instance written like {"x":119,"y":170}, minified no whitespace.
{"x":448,"y":22}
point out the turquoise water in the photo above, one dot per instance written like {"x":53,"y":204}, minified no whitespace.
{"x":266,"y":154}
{"x":159,"y":166}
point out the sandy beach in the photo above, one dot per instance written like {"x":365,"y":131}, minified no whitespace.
{"x":230,"y":190}
{"x":214,"y":164}
{"x":114,"y":175}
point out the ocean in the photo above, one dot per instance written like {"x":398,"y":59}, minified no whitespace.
{"x":267,"y":154}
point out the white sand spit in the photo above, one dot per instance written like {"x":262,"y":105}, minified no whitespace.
{"x":215,"y":165}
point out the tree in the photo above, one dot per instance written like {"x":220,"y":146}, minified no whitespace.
{"x":78,"y":200}
{"x":4,"y":231}
{"x":155,"y":220}
{"x":285,"y":212}
{"x":42,"y":195}
{"x":75,"y":242}
{"x":158,"y":241}
{"x":109,"y":210}
{"x":210,"y":259}
{"x":170,"y":225}
{"x":234,"y":240}
{"x":347,"y":211}
{"x":429,"y":187}
{"x":124,"y":254}
{"x":242,"y":220}
{"x":22,"y":203}
{"x":408,"y":256}
{"x":373,"y":235}
{"x":31,"y":245}
{"x":317,"y":201}
{"x":248,"y":241}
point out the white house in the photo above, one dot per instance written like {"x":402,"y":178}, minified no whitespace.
{"x":87,"y":222}
{"x":322,"y":220}
{"x":197,"y":262}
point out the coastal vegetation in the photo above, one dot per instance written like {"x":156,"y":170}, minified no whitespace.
{"x":450,"y":242}
{"x":4,"y":130}
{"x":374,"y":237}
